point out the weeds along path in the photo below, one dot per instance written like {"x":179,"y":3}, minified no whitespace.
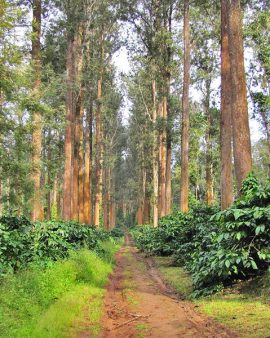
{"x":139,"y":304}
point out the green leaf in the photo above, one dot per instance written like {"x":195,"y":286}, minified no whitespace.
{"x":258,"y":230}
{"x":237,"y":213}
{"x":227,"y":263}
{"x":254,"y":265}
{"x":238,"y":235}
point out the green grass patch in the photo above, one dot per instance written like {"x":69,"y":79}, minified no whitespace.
{"x":58,"y":300}
{"x":142,"y":330}
{"x":244,"y":308}
{"x":247,"y":317}
{"x":177,"y":277}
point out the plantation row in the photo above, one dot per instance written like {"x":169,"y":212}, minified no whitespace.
{"x":23,"y":242}
{"x":216,"y":247}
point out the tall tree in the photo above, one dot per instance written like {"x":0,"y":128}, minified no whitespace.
{"x":37,"y":213}
{"x":240,"y":119}
{"x":155,"y":156}
{"x":226,"y":178}
{"x":70,"y":108}
{"x":99,"y":153}
{"x":184,"y":192}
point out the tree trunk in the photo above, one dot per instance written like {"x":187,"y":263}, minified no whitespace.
{"x":75,"y":167}
{"x":113,"y":215}
{"x":37,"y":213}
{"x":99,"y":155}
{"x":169,"y":136}
{"x":81,"y":164}
{"x":109,"y":197}
{"x":209,"y":148}
{"x":140,"y":214}
{"x":88,"y":168}
{"x":226,"y":179}
{"x":59,"y":199}
{"x":147,"y":208}
{"x":184,"y":191}
{"x":48,"y":216}
{"x":106,"y":209}
{"x":68,"y":172}
{"x":169,"y":175}
{"x":155,"y":157}
{"x":112,"y":205}
{"x":49,"y":177}
{"x":240,"y":121}
{"x":78,"y":131}
{"x":163,"y":157}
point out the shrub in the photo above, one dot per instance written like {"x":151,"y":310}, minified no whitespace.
{"x":216,"y":247}
{"x":22,"y":242}
{"x":240,"y":249}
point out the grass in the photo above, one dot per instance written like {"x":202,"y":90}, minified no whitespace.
{"x":177,"y":277}
{"x":128,"y":283}
{"x":56,"y":301}
{"x":247,"y":317}
{"x":78,"y":310}
{"x":244,"y":308}
{"x":142,"y":330}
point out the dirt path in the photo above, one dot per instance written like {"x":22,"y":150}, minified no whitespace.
{"x":139,"y":304}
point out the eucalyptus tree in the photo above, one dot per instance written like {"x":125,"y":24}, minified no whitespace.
{"x":184,"y":189}
{"x":37,"y":212}
{"x":239,"y":105}
{"x":226,"y":113}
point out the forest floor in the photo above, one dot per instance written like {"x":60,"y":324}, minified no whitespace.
{"x":139,"y":304}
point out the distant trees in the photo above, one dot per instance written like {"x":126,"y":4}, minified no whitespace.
{"x":65,"y":150}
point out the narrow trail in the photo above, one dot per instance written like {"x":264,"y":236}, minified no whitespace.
{"x":139,"y":304}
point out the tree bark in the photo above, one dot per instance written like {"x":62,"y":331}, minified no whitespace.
{"x":240,"y":121}
{"x":88,"y":168}
{"x":155,"y":157}
{"x":169,"y":136}
{"x":111,"y":198}
{"x":68,"y":171}
{"x":226,"y":179}
{"x":169,"y":175}
{"x":37,"y":213}
{"x":80,"y":161}
{"x":49,"y":177}
{"x":105,"y":199}
{"x":99,"y":155}
{"x":75,"y":167}
{"x":78,"y":130}
{"x":184,"y":189}
{"x":59,"y":198}
{"x":163,"y":157}
{"x":209,"y":147}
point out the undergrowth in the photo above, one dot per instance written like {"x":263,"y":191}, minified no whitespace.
{"x":23,"y":242}
{"x":47,"y":302}
{"x":217,"y":248}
